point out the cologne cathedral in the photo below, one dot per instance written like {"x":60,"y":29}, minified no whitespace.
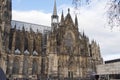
{"x":38,"y":52}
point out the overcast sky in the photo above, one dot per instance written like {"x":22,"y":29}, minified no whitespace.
{"x":92,"y":21}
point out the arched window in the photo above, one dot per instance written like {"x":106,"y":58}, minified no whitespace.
{"x":16,"y":66}
{"x":34,"y":45}
{"x":26,"y":44}
{"x":6,"y":15}
{"x":34,"y":67}
{"x":25,"y":66}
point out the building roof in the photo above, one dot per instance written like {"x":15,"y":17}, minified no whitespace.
{"x":112,"y":61}
{"x":35,"y":27}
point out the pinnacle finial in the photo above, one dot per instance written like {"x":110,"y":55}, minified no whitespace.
{"x":15,"y":26}
{"x":62,"y":11}
{"x":31,"y":29}
{"x":68,"y":10}
{"x":62,"y":14}
{"x":76,"y":21}
{"x":23,"y":28}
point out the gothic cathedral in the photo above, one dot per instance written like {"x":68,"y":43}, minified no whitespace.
{"x":59,"y":52}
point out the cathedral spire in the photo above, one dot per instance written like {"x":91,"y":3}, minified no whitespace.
{"x":55,"y":8}
{"x":54,"y":18}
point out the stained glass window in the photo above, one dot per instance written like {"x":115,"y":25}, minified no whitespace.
{"x":68,"y":40}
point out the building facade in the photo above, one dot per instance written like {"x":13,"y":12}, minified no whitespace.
{"x":56,"y":52}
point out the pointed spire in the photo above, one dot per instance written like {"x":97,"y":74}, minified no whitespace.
{"x":15,"y":26}
{"x":55,"y":8}
{"x":37,"y":30}
{"x":83,"y":33}
{"x":68,"y":10}
{"x":23,"y":28}
{"x":31,"y":29}
{"x":76,"y":21}
{"x":62,"y":17}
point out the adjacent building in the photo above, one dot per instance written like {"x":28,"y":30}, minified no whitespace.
{"x":32,"y":51}
{"x":110,"y":70}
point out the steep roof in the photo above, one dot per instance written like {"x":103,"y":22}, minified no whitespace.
{"x":68,"y":19}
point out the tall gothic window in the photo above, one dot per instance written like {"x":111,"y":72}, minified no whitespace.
{"x":34,"y":45}
{"x":10,"y":39}
{"x":68,"y":42}
{"x":8,"y":65}
{"x":34,"y":67}
{"x":16,"y":66}
{"x":68,"y":39}
{"x":17,"y":43}
{"x":25,"y":66}
{"x":26,"y":44}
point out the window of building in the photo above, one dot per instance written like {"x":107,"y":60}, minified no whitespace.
{"x":17,"y":42}
{"x":69,"y":40}
{"x":25,"y":67}
{"x":16,"y":66}
{"x":70,"y":75}
{"x":26,"y":44}
{"x":34,"y":67}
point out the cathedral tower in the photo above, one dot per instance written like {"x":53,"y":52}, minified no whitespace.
{"x":54,"y":18}
{"x":5,"y":20}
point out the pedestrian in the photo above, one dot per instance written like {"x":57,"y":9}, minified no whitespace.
{"x":2,"y":75}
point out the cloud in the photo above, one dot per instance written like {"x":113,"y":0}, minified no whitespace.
{"x":91,"y":19}
{"x":34,"y":16}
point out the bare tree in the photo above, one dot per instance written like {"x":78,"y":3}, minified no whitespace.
{"x":79,"y":3}
{"x":113,"y":13}
{"x":113,"y":10}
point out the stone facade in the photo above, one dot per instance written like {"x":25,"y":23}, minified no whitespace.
{"x":5,"y":20}
{"x":56,"y":52}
